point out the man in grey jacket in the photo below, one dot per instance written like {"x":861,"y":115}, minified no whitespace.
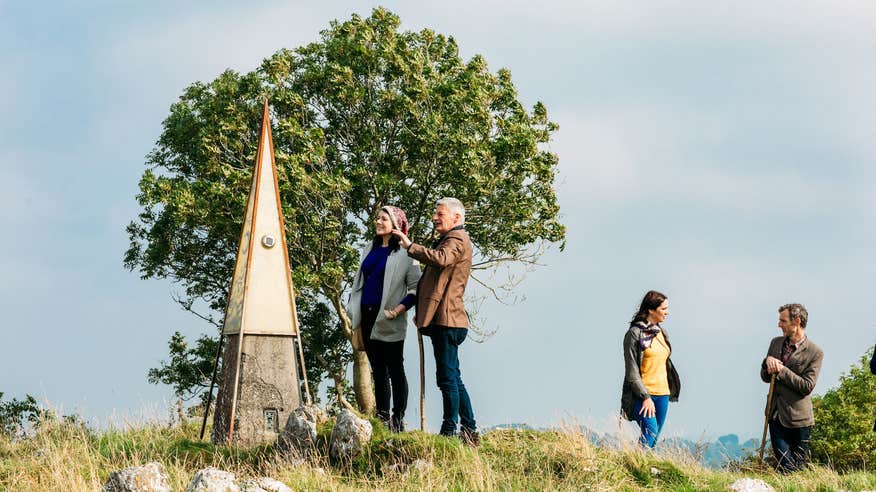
{"x":795,"y":362}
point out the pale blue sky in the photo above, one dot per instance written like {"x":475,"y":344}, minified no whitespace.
{"x":720,"y":153}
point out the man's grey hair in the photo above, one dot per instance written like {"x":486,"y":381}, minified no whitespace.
{"x":453,"y":205}
{"x":796,"y":311}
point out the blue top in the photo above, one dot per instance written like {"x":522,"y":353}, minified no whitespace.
{"x":373,"y":269}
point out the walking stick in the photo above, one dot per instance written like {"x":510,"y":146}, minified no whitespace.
{"x":766,"y":415}
{"x":422,"y":384}
{"x":212,"y":383}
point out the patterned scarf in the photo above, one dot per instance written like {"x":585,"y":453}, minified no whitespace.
{"x":648,"y":333}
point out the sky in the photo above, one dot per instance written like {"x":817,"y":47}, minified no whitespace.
{"x":720,"y":152}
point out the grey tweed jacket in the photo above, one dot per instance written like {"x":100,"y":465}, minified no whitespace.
{"x":792,"y":403}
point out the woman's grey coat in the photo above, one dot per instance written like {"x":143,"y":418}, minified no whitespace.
{"x":399,"y":279}
{"x":634,"y":388}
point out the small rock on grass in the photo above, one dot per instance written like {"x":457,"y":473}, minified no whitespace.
{"x":213,"y":480}
{"x":150,"y":477}
{"x":298,"y":438}
{"x":750,"y":485}
{"x":264,"y":484}
{"x":349,"y":436}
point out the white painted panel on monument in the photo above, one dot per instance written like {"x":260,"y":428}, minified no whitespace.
{"x":234,"y":310}
{"x":260,"y":299}
{"x":268,"y":306}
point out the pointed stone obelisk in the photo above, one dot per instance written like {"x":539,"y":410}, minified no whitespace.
{"x":259,"y":384}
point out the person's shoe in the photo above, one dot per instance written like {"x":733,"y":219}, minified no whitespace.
{"x":385,"y":420}
{"x":469,"y":437}
{"x":397,"y":424}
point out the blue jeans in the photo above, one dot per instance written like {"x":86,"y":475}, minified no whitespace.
{"x":457,"y":404}
{"x":651,"y":426}
{"x":790,"y":446}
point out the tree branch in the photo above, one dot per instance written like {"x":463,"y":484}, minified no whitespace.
{"x":186,"y":304}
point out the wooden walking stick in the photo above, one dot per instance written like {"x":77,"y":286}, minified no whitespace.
{"x":766,"y":415}
{"x":212,"y":383}
{"x":422,"y":384}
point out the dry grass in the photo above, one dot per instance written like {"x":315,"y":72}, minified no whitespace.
{"x":66,"y":456}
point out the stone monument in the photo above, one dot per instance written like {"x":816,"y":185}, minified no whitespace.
{"x":259,"y":384}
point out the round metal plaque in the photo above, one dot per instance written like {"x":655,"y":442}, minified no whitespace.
{"x":268,"y":241}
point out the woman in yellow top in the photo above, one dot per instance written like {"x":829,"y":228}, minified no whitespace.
{"x":650,"y":380}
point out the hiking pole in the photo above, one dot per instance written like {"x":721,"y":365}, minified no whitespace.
{"x":212,"y":383}
{"x":300,"y":350}
{"x":766,"y":416}
{"x":422,"y":384}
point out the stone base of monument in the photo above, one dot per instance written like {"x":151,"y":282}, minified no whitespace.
{"x":267,"y":389}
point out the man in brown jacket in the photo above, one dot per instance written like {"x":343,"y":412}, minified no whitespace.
{"x":795,"y":361}
{"x":441,"y":313}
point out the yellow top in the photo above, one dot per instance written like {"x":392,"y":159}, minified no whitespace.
{"x":654,"y":366}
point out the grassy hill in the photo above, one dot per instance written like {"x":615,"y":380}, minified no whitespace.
{"x":68,"y":456}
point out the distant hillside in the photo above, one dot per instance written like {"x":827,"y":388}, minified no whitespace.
{"x":711,"y":454}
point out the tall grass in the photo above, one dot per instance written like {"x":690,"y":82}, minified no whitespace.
{"x":68,"y":456}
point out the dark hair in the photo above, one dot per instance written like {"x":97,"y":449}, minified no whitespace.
{"x":650,"y":302}
{"x":796,"y":310}
{"x":393,"y":242}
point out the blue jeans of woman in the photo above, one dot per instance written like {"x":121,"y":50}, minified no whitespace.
{"x":457,"y":404}
{"x":651,"y":426}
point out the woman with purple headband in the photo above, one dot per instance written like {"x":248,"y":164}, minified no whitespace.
{"x":384,"y":289}
{"x":650,"y":378}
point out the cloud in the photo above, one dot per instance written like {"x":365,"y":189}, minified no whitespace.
{"x":697,"y":159}
{"x":198,"y":45}
{"x":24,"y":204}
{"x":595,"y":156}
{"x":15,"y":81}
{"x":742,"y":18}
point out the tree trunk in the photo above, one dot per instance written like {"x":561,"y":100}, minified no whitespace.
{"x":180,"y":413}
{"x":340,"y":382}
{"x":363,"y":386}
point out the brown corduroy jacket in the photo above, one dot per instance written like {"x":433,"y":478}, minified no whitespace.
{"x":441,"y":288}
{"x":794,"y":383}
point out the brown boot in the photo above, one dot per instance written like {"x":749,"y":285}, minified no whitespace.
{"x":469,"y":437}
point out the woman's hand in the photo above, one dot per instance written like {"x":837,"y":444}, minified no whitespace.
{"x":403,"y":240}
{"x":648,"y":410}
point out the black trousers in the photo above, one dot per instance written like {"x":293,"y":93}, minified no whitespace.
{"x":387,"y":369}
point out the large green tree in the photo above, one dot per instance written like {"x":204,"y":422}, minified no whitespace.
{"x":369,"y":115}
{"x":843,"y":435}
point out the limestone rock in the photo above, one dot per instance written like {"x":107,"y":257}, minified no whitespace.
{"x":314,"y":413}
{"x":750,"y":485}
{"x":264,"y":484}
{"x":213,"y":480}
{"x":150,"y":477}
{"x":348,"y":436}
{"x":417,"y":467}
{"x":299,"y":434}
